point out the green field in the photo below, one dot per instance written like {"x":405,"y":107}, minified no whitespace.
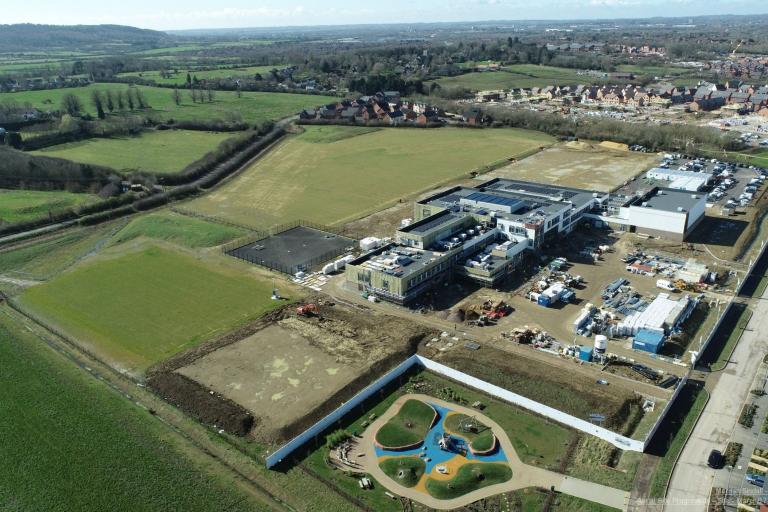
{"x":155,"y":151}
{"x":408,"y":426}
{"x":181,"y":77}
{"x":178,"y":229}
{"x":145,"y":306}
{"x":469,"y":477}
{"x":412,"y":468}
{"x":358,"y":174}
{"x":71,"y":443}
{"x":23,"y":205}
{"x":252,"y":106}
{"x":517,"y":76}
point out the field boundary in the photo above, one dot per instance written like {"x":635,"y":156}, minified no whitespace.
{"x":617,"y":440}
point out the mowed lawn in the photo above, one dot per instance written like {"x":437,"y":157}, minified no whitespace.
{"x":156,"y":151}
{"x":23,"y":205}
{"x":142,"y":307}
{"x":72,"y":444}
{"x":332,"y":174}
{"x":181,"y":77}
{"x":252,"y":106}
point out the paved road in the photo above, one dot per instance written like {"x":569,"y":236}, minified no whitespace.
{"x":523,"y":475}
{"x":692,"y":480}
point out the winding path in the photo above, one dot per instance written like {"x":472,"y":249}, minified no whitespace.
{"x":523,"y":475}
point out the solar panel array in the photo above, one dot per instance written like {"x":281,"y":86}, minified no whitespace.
{"x":514,"y":204}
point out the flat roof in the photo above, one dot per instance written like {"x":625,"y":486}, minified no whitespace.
{"x":667,"y":199}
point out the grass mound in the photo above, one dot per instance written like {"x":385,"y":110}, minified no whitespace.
{"x":24,"y":205}
{"x":470,"y":477}
{"x":480,"y":438}
{"x":172,"y":227}
{"x":408,"y":426}
{"x":406,"y":471}
{"x":145,"y":306}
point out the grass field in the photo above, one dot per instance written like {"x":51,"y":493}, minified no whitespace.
{"x":145,"y":306}
{"x":71,"y":443}
{"x":469,"y":477}
{"x":516,"y":76}
{"x":181,"y":77}
{"x":413,"y":468}
{"x":408,"y":426}
{"x":179,"y":229}
{"x":156,"y":151}
{"x":304,"y":178}
{"x":252,"y":106}
{"x":23,"y":205}
{"x":590,"y":460}
{"x":41,"y":260}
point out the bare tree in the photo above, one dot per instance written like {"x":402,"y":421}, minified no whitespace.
{"x":110,"y":101}
{"x":98,"y":103}
{"x":176,"y":95}
{"x":71,"y":105}
{"x":210,"y":95}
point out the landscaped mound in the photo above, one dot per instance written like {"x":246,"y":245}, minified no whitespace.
{"x":408,"y":427}
{"x":406,"y":471}
{"x":469,"y":477}
{"x":480,"y":438}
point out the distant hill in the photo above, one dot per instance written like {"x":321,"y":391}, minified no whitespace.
{"x":30,"y":37}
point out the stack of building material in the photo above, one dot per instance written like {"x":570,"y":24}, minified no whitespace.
{"x":661,"y":315}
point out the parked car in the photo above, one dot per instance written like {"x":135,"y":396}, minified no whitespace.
{"x":715,"y":459}
{"x":758,"y":480}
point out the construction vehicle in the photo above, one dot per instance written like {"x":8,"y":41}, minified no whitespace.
{"x":308,"y":310}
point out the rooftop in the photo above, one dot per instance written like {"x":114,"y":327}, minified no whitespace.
{"x":666,"y":199}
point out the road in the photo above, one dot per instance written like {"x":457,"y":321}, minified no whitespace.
{"x":692,"y":480}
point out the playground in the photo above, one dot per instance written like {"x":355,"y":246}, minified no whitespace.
{"x":463,"y":457}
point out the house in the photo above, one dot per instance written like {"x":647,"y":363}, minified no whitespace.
{"x":429,"y":117}
{"x":308,"y":114}
{"x":474,"y":117}
{"x":705,"y":105}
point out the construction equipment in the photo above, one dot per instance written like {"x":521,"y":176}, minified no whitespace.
{"x":308,"y":310}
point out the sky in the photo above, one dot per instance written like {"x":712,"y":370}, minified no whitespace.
{"x":195,"y":14}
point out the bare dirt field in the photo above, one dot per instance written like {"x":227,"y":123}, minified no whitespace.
{"x":289,"y":370}
{"x":578,"y":164}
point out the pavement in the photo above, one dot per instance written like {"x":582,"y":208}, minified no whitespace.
{"x":523,"y":475}
{"x":692,"y":479}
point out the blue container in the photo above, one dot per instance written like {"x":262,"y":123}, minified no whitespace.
{"x":648,"y":341}
{"x":544,"y":300}
{"x":585,"y":353}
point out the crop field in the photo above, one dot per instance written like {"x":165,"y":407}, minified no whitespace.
{"x":156,"y":151}
{"x":142,"y":307}
{"x":580,"y":165}
{"x":181,"y":77}
{"x":71,"y":443}
{"x":252,"y":106}
{"x":516,"y":76}
{"x":23,"y":205}
{"x":306,"y":177}
{"x":178,"y":229}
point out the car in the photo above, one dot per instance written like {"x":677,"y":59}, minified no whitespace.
{"x":715,"y":459}
{"x":758,"y":480}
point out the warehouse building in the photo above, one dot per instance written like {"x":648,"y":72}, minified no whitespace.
{"x":662,"y":212}
{"x":481,"y":233}
{"x":676,"y":179}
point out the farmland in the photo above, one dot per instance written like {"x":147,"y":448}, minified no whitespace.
{"x":180,"y":77}
{"x":23,"y":205}
{"x":73,"y":444}
{"x":360,"y":171}
{"x":516,"y":76}
{"x":155,"y":151}
{"x":579,"y":164}
{"x":251,"y":106}
{"x":141,"y":307}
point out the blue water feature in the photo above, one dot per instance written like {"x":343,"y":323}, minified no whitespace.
{"x":431,"y":448}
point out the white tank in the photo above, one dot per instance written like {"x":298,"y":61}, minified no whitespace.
{"x":601,"y":344}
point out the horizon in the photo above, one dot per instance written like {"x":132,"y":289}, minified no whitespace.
{"x":175,"y":15}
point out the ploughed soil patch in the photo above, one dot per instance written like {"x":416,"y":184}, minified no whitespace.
{"x":194,"y":399}
{"x":287,"y":371}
